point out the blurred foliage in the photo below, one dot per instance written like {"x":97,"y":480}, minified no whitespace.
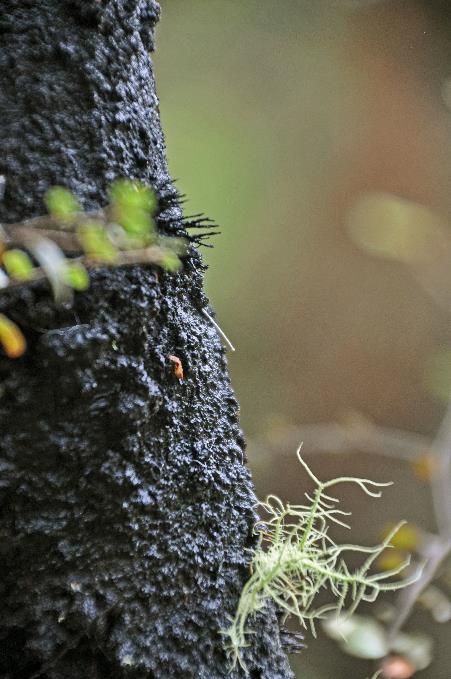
{"x":61,"y":203}
{"x":388,"y":226}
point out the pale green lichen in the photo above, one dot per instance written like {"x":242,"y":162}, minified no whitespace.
{"x":296,"y":559}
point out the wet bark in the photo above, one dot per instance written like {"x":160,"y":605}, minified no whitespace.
{"x":126,"y":508}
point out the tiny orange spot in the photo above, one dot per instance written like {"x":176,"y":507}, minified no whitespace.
{"x":178,"y":367}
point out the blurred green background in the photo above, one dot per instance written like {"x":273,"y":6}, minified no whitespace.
{"x":317,"y":134}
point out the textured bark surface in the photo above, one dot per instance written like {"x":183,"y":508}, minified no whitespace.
{"x":126,"y":509}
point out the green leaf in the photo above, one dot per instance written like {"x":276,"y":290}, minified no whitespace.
{"x":61,"y":203}
{"x":133,"y":205}
{"x":95,"y":242}
{"x":128,"y":194}
{"x":136,"y":222}
{"x":76,"y":276}
{"x":17,"y":264}
{"x":170,"y":262}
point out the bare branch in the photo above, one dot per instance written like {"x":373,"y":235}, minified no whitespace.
{"x":441,"y":481}
{"x":342,"y":438}
{"x":439,"y":551}
{"x":151,"y":255}
{"x":49,"y":222}
{"x":63,"y":234}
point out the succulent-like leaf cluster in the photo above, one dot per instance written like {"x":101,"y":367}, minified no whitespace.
{"x":64,"y":245}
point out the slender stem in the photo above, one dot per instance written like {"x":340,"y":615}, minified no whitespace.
{"x":440,"y":548}
{"x":312,"y":517}
{"x":338,"y":438}
{"x":410,"y":595}
{"x":441,"y":479}
{"x":219,"y":329}
{"x":47,"y":222}
{"x":151,"y":255}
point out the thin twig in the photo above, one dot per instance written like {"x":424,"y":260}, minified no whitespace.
{"x":221,"y":332}
{"x":44,"y":222}
{"x":150,"y":255}
{"x":338,"y":438}
{"x":441,"y":481}
{"x":408,"y":597}
{"x":440,"y":548}
{"x":61,"y":233}
{"x":66,"y":240}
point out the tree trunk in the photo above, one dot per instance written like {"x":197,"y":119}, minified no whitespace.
{"x":126,"y":511}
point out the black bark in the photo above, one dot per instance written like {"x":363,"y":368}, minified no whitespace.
{"x":126,"y":509}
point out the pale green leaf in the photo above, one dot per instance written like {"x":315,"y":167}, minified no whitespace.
{"x":61,"y":203}
{"x":17,"y":264}
{"x":76,"y":276}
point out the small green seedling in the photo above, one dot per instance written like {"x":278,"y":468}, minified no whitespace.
{"x":122,"y":234}
{"x":296,"y":559}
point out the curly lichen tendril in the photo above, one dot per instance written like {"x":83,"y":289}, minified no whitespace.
{"x":296,"y":558}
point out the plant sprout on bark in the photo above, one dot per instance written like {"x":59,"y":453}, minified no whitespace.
{"x":122,"y":234}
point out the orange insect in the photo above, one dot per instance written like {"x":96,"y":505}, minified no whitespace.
{"x":178,"y":367}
